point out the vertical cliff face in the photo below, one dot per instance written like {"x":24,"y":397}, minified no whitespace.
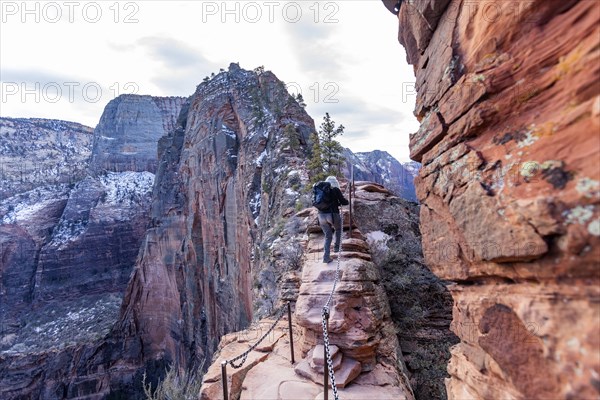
{"x":509,"y":104}
{"x":127,"y":135}
{"x":68,"y":250}
{"x":219,"y":184}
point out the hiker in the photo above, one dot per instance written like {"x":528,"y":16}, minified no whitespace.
{"x":327,"y":199}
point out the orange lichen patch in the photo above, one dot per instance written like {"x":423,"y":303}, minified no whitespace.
{"x":570,"y":63}
{"x":546,"y":129}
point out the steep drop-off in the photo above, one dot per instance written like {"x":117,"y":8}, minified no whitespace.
{"x":509,"y":104}
{"x":68,"y":249}
{"x":223,"y":183}
{"x":215,"y":192}
{"x":366,"y":356}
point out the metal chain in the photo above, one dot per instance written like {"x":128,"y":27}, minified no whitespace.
{"x":244,"y":355}
{"x":325,"y":317}
{"x":328,"y":355}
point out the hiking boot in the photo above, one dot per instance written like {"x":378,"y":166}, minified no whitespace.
{"x":327,"y":260}
{"x":336,"y":248}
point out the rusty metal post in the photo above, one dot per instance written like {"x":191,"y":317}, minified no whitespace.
{"x":224,"y":379}
{"x":289,"y":307}
{"x":325,"y":367}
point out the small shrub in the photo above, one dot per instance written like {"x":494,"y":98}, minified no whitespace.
{"x":293,"y":255}
{"x":293,"y":226}
{"x":176,"y":385}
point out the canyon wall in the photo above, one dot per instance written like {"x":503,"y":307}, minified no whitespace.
{"x":68,"y":243}
{"x":509,"y":105}
{"x":380,"y":167}
{"x":127,"y":135}
{"x":223,"y":183}
{"x":37,"y":152}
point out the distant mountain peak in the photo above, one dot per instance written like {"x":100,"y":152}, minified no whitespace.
{"x":381,"y":167}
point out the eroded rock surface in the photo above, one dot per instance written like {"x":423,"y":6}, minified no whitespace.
{"x":509,"y":104}
{"x":126,"y":138}
{"x":67,"y":252}
{"x":366,"y":356}
{"x":37,"y":152}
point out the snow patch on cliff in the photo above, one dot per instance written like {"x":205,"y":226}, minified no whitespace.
{"x":127,"y":188}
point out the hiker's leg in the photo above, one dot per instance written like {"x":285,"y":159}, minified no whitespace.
{"x":326,"y":221}
{"x":337,"y":224}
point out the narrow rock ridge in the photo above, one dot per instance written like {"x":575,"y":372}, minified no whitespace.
{"x":509,"y":104}
{"x":367,"y":359}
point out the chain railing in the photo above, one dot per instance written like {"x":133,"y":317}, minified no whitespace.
{"x":244,"y":356}
{"x":328,"y":372}
{"x":328,"y":367}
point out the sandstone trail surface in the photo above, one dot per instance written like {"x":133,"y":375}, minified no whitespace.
{"x":509,"y":105}
{"x":365,"y":351}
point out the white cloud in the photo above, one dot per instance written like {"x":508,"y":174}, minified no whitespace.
{"x":344,"y":51}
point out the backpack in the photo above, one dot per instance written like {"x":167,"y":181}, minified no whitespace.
{"x":322,"y":196}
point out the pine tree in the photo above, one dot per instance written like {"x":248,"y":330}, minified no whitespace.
{"x":291,"y":138}
{"x":326,"y":156}
{"x":300,"y":100}
{"x":315,"y":164}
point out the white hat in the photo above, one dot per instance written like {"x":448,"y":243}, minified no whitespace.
{"x":333,"y":181}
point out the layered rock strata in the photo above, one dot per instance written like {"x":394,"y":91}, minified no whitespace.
{"x":221,"y":183}
{"x":67,"y":254}
{"x":366,"y":356}
{"x":38,"y":152}
{"x":127,"y":135}
{"x":420,"y":303}
{"x":509,"y":104}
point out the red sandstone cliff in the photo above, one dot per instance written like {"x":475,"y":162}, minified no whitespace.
{"x":221,"y":181}
{"x":509,"y":104}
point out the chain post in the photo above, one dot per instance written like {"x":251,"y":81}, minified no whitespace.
{"x":224,"y":379}
{"x":325,"y":366}
{"x":289,"y":309}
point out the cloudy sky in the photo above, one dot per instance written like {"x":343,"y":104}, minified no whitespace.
{"x":66,"y":60}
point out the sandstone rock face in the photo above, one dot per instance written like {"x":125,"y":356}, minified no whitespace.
{"x":127,"y":135}
{"x":366,"y":357}
{"x":509,"y":100}
{"x":380,"y":167}
{"x":220,"y":184}
{"x":38,"y":152}
{"x":68,"y":251}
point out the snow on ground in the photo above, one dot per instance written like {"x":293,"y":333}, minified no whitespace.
{"x":261,"y":158}
{"x":125,"y":193}
{"x":24,"y":206}
{"x":125,"y":188}
{"x":255,"y":204}
{"x":23,"y":212}
{"x":57,"y":326}
{"x":378,"y":240}
{"x":291,"y":192}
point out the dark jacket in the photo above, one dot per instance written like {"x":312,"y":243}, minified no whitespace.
{"x":338,"y":200}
